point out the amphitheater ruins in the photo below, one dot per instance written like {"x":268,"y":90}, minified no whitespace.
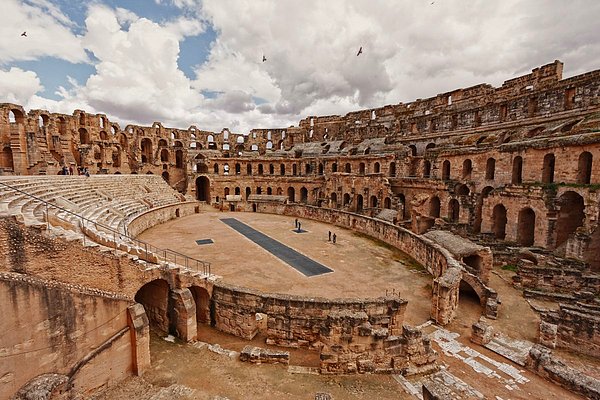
{"x":473,"y":185}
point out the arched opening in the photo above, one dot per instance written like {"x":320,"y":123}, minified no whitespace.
{"x":15,"y":117}
{"x":202,"y":300}
{"x":570,"y":217}
{"x":548,"y":168}
{"x":584,"y":169}
{"x":474,"y":261}
{"x":462,"y":190}
{"x":334,"y":167}
{"x":392,"y":170}
{"x":361,"y":168}
{"x":303,"y":195}
{"x":271,"y":169}
{"x":402,"y":206}
{"x":346,"y":199}
{"x":430,"y":146}
{"x":238,"y":168}
{"x":248,"y":169}
{"x":348,"y":168}
{"x":453,"y":210}
{"x":226,"y":193}
{"x":526,"y":227}
{"x":154,"y":296}
{"x":7,"y":159}
{"x":260,"y":169}
{"x":307,"y":169}
{"x":237,"y":191}
{"x":434,"y":207}
{"x":373,"y":202}
{"x":123,"y":140}
{"x":282,"y":169}
{"x":179,"y":159}
{"x":258,"y":190}
{"x":426,"y":169}
{"x":359,"y":203}
{"x":116,"y":157}
{"x":164,"y":155}
{"x":446,"y":170}
{"x":146,"y":149}
{"x":377,"y":168}
{"x":490,"y":169}
{"x":320,"y":169}
{"x":248,"y":192}
{"x":517,"y":170}
{"x":84,"y":136}
{"x":387,"y":203}
{"x":165,"y":176}
{"x":203,"y":189}
{"x":216,"y":168}
{"x":499,"y":221}
{"x":467,"y":169}
{"x":468,"y":299}
{"x":294,"y":169}
{"x":291,"y":193}
{"x":413,"y":150}
{"x":333,"y":197}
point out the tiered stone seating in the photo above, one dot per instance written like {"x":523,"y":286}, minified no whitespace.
{"x":107,"y":200}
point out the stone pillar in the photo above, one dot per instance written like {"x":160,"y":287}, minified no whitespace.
{"x":482,"y":332}
{"x":182,"y":314}
{"x":139,"y":329}
{"x":444,"y":301}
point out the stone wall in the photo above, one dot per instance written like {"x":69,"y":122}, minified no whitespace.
{"x":574,"y":327}
{"x":160,"y":215}
{"x":94,"y":338}
{"x":351,"y":335}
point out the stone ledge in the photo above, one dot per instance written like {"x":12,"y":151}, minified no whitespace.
{"x":258,"y":355}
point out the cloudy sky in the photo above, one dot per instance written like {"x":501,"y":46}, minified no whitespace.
{"x":199,"y":62}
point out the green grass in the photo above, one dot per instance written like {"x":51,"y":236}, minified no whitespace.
{"x":510,"y":267}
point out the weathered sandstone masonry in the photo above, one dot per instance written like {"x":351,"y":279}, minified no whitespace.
{"x":351,"y":335}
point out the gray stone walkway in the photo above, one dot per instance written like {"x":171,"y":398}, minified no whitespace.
{"x":298,"y":261}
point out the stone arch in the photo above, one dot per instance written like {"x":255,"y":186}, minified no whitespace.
{"x":446,"y":170}
{"x":426,"y":169}
{"x":570,"y":216}
{"x":490,"y":169}
{"x":303,"y":195}
{"x":434,"y":207}
{"x":584,"y":168}
{"x":216,"y":168}
{"x":203,"y":189}
{"x":84,"y":136}
{"x":373,"y":201}
{"x":462,"y":190}
{"x":548,"y":168}
{"x":361,"y":168}
{"x":526,"y":227}
{"x":146,"y":149}
{"x":291,"y":193}
{"x":202,"y":300}
{"x":348,"y":168}
{"x":179,"y":159}
{"x":359,"y":203}
{"x":249,"y":169}
{"x":164,"y":155}
{"x":392,"y":170}
{"x":334,"y":200}
{"x":15,"y":116}
{"x":517,"y":170}
{"x":334,"y":167}
{"x":377,"y":168}
{"x":346,"y":199}
{"x":499,"y":221}
{"x":260,"y":169}
{"x":271,"y":169}
{"x":248,"y":192}
{"x":282,"y":169}
{"x":387,"y":203}
{"x":154,"y":296}
{"x":467,"y":169}
{"x":413,"y":150}
{"x":430,"y":146}
{"x":453,"y":210}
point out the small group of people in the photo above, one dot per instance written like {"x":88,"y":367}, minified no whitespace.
{"x":332,"y":237}
{"x":69,"y":171}
{"x":298,"y":225}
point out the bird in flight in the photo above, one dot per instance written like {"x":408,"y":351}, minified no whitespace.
{"x":359,"y":52}
{"x":264,"y":58}
{"x":24,"y":34}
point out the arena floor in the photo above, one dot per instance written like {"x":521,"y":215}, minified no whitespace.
{"x":362,"y":267}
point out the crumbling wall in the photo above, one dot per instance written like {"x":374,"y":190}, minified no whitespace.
{"x":48,"y":329}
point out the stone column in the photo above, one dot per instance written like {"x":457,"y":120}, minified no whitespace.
{"x":139,"y":328}
{"x":182,"y":314}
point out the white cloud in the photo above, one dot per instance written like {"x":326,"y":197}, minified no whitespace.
{"x":411,"y":49}
{"x":19,"y":86}
{"x":48,"y":33}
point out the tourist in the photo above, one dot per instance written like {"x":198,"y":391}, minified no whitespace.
{"x":296,"y":223}
{"x":334,"y":238}
{"x":86,"y":172}
{"x":329,"y":240}
{"x":70,"y":170}
{"x":299,"y":227}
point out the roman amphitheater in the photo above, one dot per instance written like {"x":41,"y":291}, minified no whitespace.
{"x":447,"y":248}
